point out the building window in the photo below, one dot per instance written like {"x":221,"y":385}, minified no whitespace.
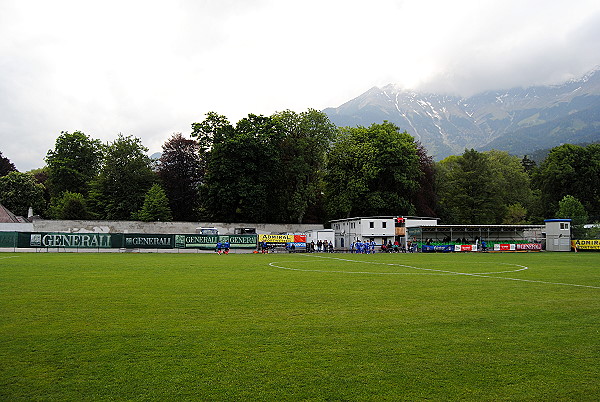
{"x":372,"y":225}
{"x":384,"y":224}
{"x":564,"y":226}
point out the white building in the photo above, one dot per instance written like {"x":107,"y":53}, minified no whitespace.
{"x":379,"y":229}
{"x":558,"y":234}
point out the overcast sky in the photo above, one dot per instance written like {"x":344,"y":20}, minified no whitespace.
{"x":150,"y":68}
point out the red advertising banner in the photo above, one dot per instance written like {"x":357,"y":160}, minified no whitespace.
{"x":299,"y":238}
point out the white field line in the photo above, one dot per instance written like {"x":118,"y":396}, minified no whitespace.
{"x":12,"y":256}
{"x":430,"y":271}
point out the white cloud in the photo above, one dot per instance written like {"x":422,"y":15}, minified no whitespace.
{"x":151,"y":68}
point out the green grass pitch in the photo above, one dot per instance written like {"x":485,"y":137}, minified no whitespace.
{"x":300,"y":327}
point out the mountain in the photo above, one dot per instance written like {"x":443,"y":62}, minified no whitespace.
{"x":518,"y":120}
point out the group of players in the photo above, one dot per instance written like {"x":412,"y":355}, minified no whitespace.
{"x":222,"y":247}
{"x":360,"y":247}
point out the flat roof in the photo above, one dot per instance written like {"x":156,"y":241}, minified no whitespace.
{"x":442,"y":227}
{"x":384,"y":217}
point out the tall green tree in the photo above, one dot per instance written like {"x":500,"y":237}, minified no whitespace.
{"x":307,"y":137}
{"x":372,"y":171}
{"x":125,"y":177}
{"x":69,"y":206}
{"x":425,"y":198}
{"x":181,"y":172}
{"x":156,"y":206}
{"x":19,"y":191}
{"x":6,"y":166}
{"x":571,"y":208}
{"x":570,"y":170}
{"x":511,"y":183}
{"x":243,"y":171}
{"x":464,"y":192}
{"x":73,"y":163}
{"x":483,"y":188}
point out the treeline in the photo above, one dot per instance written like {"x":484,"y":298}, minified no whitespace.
{"x":299,"y":168}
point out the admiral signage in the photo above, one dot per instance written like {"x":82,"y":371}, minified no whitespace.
{"x":282,"y":239}
{"x":586,"y":244}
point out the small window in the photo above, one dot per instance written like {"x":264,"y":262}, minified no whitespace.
{"x":372,"y":225}
{"x":564,"y":226}
{"x":384,"y":225}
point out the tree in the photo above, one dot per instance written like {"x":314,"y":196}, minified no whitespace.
{"x":511,"y":183}
{"x":372,"y":171}
{"x":483,"y":188}
{"x":19,"y":191}
{"x":243,"y":170}
{"x":156,"y":206}
{"x":571,"y":208}
{"x":529,"y":165}
{"x":73,"y":163}
{"x":464,"y":192}
{"x":570,"y":170}
{"x":180,"y":171}
{"x":425,"y":196}
{"x":6,"y":166}
{"x":516,"y":214}
{"x":307,"y":137}
{"x":125,"y":177}
{"x":69,"y":206}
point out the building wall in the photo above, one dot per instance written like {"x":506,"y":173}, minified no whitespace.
{"x":351,"y":230}
{"x":558,"y":234}
{"x":16,"y":227}
{"x":163,"y":227}
{"x":322,"y":234}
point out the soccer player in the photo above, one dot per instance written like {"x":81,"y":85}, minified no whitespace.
{"x":219,"y":247}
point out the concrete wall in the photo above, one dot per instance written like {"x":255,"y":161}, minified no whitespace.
{"x":162,"y":227}
{"x":16,"y":227}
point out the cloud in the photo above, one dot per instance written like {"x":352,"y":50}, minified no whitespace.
{"x":151,"y":68}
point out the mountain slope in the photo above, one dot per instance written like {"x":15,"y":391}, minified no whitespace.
{"x":538,"y":117}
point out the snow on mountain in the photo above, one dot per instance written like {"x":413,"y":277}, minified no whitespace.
{"x":448,"y":124}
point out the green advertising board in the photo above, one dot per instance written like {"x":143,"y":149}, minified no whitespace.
{"x":68,"y":240}
{"x":138,"y":240}
{"x":123,"y":240}
{"x":209,"y":242}
{"x":8,"y":239}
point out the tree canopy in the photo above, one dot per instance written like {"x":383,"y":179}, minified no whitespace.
{"x":19,"y":191}
{"x":180,"y":170}
{"x":125,"y":177}
{"x":73,"y":163}
{"x":6,"y":166}
{"x":372,"y":171}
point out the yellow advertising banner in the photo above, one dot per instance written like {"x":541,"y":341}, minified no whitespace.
{"x":269,"y":238}
{"x":585,"y":244}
